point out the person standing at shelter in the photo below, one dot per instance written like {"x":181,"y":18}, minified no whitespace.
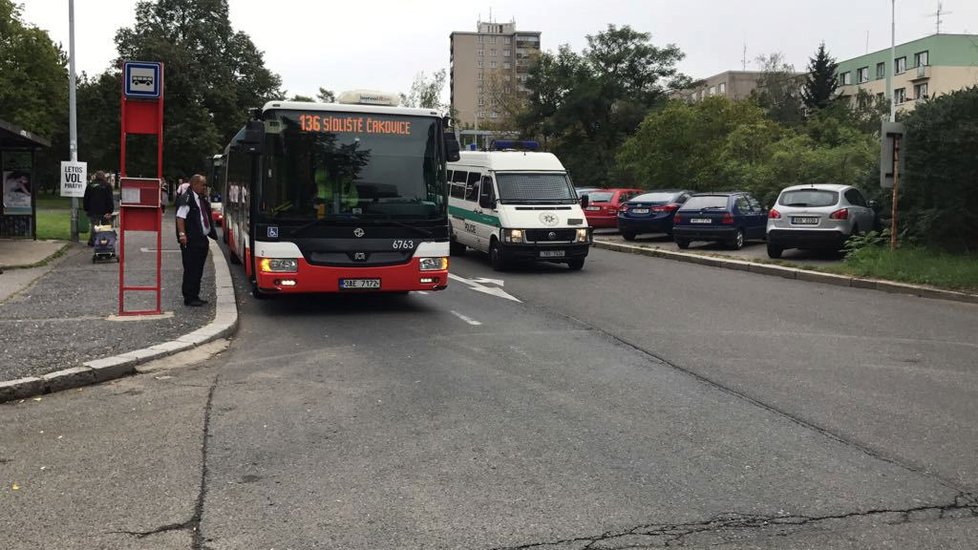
{"x":98,"y":204}
{"x":193,"y":229}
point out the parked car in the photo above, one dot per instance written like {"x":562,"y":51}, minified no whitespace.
{"x":732,"y":218}
{"x":817,"y":216}
{"x":651,"y":212}
{"x":603,"y":204}
{"x":581,"y":191}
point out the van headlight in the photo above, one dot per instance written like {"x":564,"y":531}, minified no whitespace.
{"x":278,"y":265}
{"x":513,"y":235}
{"x":582,"y":236}
{"x":434,"y":264}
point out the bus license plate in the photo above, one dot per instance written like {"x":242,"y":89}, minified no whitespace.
{"x":359,"y":284}
{"x":551,"y":253}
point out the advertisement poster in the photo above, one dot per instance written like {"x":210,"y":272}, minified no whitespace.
{"x":17,"y":183}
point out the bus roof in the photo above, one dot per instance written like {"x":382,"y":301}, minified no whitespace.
{"x":349,"y":108}
{"x":509,"y":161}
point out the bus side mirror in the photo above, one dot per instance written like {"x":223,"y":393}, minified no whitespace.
{"x":254,"y":136}
{"x":452,"y":148}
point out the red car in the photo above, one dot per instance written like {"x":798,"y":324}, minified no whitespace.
{"x":603,"y":204}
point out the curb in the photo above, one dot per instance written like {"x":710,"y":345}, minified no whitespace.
{"x":224,"y":324}
{"x":795,"y":273}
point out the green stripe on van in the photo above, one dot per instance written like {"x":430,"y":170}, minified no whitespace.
{"x":476,"y":217}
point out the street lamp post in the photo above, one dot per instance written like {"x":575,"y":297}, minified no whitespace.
{"x":72,"y":115}
{"x":892,"y":72}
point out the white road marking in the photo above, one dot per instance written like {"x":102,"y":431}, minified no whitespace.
{"x":468,"y":320}
{"x":492,"y":291}
{"x":482,"y":281}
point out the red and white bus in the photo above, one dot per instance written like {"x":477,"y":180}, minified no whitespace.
{"x":340,"y":197}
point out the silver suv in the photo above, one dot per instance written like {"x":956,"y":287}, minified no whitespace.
{"x":817,"y":216}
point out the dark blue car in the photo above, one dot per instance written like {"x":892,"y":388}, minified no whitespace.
{"x":731,"y":218}
{"x":650,"y":212}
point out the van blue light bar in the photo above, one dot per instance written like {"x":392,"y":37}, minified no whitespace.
{"x":508,"y":144}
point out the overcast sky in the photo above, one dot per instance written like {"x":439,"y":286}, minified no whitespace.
{"x":383,"y":44}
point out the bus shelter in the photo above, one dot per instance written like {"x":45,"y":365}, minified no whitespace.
{"x":18,"y":209}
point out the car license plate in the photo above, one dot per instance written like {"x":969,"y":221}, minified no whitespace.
{"x":551,"y":253}
{"x":803,"y":220}
{"x":700,"y":220}
{"x":639,"y":211}
{"x":359,"y":284}
{"x":593,"y":208}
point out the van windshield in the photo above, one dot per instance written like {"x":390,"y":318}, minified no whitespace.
{"x":535,"y":188}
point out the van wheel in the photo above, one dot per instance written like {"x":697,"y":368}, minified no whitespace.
{"x":576,"y":264}
{"x":456,"y":248}
{"x":496,"y":259}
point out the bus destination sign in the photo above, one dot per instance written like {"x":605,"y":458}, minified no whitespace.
{"x":315,"y":122}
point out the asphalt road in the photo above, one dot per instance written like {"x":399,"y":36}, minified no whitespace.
{"x":634,"y":404}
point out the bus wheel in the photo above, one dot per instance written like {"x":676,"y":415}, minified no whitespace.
{"x":456,"y":248}
{"x":496,"y":259}
{"x":259,"y":295}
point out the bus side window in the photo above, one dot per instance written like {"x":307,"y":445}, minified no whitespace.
{"x":472,"y":187}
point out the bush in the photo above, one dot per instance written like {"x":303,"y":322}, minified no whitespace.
{"x":938,"y":199}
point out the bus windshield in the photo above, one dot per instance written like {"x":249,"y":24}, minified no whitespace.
{"x":334,"y":166}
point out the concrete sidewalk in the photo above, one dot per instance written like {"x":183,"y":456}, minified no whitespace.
{"x":59,"y":326}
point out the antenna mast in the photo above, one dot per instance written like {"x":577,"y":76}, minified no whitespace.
{"x":939,"y":14}
{"x":745,"y":56}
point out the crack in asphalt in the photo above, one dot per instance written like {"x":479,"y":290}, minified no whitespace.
{"x":668,"y":534}
{"x":194,"y":522}
{"x":869,"y":451}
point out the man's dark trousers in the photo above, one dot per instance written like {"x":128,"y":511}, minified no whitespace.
{"x":194,"y":257}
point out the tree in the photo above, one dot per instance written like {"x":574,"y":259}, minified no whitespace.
{"x":34,"y":88}
{"x":778,"y":90}
{"x":589,"y":103}
{"x":33,"y":75}
{"x":213,"y":75}
{"x":426,"y":93}
{"x":821,"y":81}
{"x":325,"y":96}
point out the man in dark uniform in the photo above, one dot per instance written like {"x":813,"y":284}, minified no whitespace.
{"x":193,"y":229}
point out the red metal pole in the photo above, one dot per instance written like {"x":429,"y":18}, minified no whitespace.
{"x":122,"y":174}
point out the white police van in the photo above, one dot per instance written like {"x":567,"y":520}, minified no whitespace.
{"x":516,"y":205}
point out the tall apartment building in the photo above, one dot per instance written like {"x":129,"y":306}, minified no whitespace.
{"x":934,"y":65}
{"x":735,"y":85}
{"x":486,"y":65}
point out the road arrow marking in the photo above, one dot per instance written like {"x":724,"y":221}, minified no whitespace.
{"x":492,"y":291}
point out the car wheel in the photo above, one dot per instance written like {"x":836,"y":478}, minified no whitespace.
{"x":576,"y":264}
{"x":738,"y":241}
{"x":682,"y":243}
{"x":774,"y":251}
{"x":496,"y":259}
{"x":628,"y":236}
{"x":456,"y":248}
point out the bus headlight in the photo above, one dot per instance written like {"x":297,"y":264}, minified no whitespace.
{"x":582,"y":235}
{"x":278,"y":265}
{"x":513,"y":235}
{"x":434,"y":264}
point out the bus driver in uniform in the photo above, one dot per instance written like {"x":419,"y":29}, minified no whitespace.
{"x":193,"y":229}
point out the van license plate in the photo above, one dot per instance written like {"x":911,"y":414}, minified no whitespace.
{"x":801,"y":220}
{"x":700,"y":220}
{"x":551,"y":253}
{"x":359,"y":284}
